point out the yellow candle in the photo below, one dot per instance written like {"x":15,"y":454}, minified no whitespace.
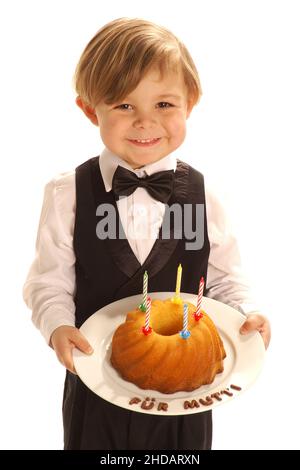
{"x":177,"y":298}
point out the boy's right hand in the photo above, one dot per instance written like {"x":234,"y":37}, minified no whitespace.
{"x":63,"y":340}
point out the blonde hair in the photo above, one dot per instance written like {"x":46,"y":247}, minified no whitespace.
{"x":120,"y":55}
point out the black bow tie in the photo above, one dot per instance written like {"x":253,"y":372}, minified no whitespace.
{"x":159,"y":185}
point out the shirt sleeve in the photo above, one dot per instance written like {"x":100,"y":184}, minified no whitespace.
{"x":50,"y":284}
{"x":226,"y":280}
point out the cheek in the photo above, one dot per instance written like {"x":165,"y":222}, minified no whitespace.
{"x":177,"y":127}
{"x":112,"y":126}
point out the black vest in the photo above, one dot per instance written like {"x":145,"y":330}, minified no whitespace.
{"x":107,"y":270}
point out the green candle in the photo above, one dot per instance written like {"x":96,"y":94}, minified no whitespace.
{"x":143,"y":305}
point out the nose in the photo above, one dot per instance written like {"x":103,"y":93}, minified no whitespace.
{"x":144,"y":120}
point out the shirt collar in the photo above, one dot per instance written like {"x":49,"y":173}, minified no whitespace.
{"x":109,"y":162}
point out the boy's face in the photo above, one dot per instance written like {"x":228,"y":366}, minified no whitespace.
{"x":156,"y":111}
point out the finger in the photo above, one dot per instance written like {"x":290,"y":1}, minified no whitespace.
{"x":66,"y":358}
{"x":251,"y":324}
{"x":81,"y":342}
{"x":266,"y":335}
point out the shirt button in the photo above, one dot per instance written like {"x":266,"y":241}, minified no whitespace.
{"x":142,"y":211}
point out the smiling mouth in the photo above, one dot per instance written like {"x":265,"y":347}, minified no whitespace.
{"x":145,"y":142}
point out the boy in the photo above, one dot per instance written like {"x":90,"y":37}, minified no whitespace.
{"x":138,"y":83}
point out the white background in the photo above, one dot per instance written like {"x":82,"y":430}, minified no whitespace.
{"x":244,"y":136}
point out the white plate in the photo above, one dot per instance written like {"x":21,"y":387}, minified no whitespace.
{"x":242,"y":365}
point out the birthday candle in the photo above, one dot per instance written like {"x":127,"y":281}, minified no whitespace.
{"x":185,"y":333}
{"x":147,"y":320}
{"x":185,"y":318}
{"x":143,"y":305}
{"x":147,"y":328}
{"x":176,"y":299}
{"x":178,"y":281}
{"x":199,"y":300}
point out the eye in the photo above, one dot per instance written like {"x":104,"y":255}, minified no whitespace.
{"x":124,"y":106}
{"x":165,"y":104}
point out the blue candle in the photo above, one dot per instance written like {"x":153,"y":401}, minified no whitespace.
{"x":185,"y":333}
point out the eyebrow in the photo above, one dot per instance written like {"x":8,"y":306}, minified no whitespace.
{"x":159,"y":97}
{"x":167,"y":95}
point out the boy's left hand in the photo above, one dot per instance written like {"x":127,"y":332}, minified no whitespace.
{"x":258,"y":322}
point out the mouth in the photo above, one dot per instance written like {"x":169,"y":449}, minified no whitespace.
{"x":145,"y":142}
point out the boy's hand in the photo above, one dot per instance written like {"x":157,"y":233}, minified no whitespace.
{"x":258,"y":322}
{"x":63,"y":340}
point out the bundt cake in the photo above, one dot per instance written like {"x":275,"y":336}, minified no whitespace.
{"x":163,"y":360}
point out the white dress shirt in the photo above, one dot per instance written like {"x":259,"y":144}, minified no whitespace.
{"x":50,"y":285}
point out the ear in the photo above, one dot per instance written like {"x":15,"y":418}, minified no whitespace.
{"x":88,"y":110}
{"x":189,"y":108}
